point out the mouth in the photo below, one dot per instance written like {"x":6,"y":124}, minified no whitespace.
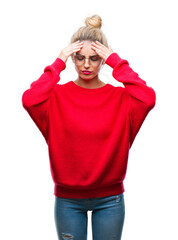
{"x":86,"y":72}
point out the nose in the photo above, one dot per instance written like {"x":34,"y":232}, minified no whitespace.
{"x":86,"y":64}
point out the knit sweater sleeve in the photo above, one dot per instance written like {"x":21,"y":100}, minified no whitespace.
{"x":36,"y":99}
{"x":141,"y":97}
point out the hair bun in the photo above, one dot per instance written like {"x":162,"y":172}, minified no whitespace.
{"x":95,"y":21}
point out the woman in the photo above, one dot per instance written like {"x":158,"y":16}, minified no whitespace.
{"x":89,"y":127}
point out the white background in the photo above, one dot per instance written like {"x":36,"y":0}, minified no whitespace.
{"x":32,"y":35}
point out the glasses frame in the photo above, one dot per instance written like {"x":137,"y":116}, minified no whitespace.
{"x":82,"y":61}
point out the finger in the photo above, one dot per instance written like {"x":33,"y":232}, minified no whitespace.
{"x":99,"y":50}
{"x":77,"y":46}
{"x":96,"y":45}
{"x":76,"y":49}
{"x":102,"y":47}
{"x":94,"y":48}
{"x":99,"y":43}
{"x":77,"y":43}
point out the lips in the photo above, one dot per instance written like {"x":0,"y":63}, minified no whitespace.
{"x":86,"y":72}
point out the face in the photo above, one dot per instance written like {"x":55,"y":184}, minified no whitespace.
{"x":87,"y":60}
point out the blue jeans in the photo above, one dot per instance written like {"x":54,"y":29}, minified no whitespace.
{"x":71,"y":217}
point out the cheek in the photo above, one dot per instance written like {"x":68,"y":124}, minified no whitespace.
{"x":98,"y":67}
{"x":77,"y":69}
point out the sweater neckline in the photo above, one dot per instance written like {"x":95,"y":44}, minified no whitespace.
{"x":89,"y":90}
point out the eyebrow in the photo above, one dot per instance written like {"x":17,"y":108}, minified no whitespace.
{"x":84,"y":56}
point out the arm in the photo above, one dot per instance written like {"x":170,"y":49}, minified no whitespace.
{"x":41,"y":89}
{"x":141,"y":97}
{"x":36,"y":99}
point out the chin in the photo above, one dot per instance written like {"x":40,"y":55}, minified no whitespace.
{"x":87,"y":77}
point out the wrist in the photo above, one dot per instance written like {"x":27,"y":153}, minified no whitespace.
{"x":62,"y":57}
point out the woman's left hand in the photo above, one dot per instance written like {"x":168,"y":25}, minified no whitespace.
{"x":102,"y":50}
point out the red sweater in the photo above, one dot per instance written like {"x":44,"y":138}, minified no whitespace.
{"x":89,"y":131}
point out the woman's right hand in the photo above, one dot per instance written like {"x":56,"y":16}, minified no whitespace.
{"x":69,"y":50}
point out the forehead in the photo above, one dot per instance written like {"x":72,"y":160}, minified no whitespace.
{"x":86,"y":50}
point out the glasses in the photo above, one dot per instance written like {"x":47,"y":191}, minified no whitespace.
{"x":80,"y":59}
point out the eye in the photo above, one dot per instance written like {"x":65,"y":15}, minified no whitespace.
{"x":94,"y":58}
{"x":80,"y":58}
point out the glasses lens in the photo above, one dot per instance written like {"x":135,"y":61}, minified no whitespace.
{"x":80,"y":59}
{"x":95,"y":58}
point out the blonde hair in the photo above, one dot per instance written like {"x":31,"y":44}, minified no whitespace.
{"x":91,"y":32}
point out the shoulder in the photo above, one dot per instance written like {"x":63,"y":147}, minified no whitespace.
{"x":119,"y":90}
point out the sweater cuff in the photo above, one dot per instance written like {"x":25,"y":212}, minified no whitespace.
{"x":113,"y":60}
{"x":58,"y":65}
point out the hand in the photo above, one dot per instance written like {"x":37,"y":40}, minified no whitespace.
{"x":102,"y":50}
{"x":70,"y":49}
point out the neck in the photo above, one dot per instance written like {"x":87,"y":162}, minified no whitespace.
{"x":91,"y":83}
